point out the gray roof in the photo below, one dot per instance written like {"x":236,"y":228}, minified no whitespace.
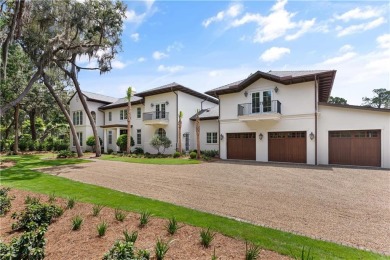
{"x":121,"y":102}
{"x":99,"y":97}
{"x":296,"y":73}
{"x":208,"y":113}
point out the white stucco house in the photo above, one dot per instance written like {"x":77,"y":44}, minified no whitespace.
{"x":275,"y":116}
{"x":154,"y":112}
{"x":283,"y":116}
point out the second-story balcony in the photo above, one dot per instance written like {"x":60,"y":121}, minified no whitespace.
{"x":156,"y":118}
{"x":260,"y":111}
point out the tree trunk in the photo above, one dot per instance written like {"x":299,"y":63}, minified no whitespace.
{"x":13,"y":103}
{"x":33,"y":131}
{"x":6,"y":134}
{"x":16,"y":116}
{"x":63,"y":109}
{"x":197,"y":135}
{"x":73,"y":76}
{"x":129,"y":125}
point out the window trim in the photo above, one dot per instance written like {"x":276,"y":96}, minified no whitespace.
{"x":139,"y":138}
{"x":78,"y":118}
{"x":108,"y":137}
{"x":140,"y":113}
{"x":123,"y":114}
{"x":109,"y":116}
{"x":213,"y":137}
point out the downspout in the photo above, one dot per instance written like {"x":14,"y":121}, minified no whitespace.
{"x":219,"y":125}
{"x":315,"y":118}
{"x":177,"y":114}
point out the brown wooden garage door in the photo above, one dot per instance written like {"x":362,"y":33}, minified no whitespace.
{"x":287,"y":147}
{"x":241,"y":146}
{"x":362,"y":148}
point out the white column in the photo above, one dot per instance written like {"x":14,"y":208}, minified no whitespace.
{"x":105,"y":142}
{"x":117,"y":136}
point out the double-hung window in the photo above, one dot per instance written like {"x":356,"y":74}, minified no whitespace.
{"x":139,"y":136}
{"x":211,"y":138}
{"x":110,"y":116}
{"x":78,"y":117}
{"x":138,"y":112}
{"x":123,"y":114}
{"x":109,"y":137}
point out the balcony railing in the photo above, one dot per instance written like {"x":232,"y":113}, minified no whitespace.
{"x":259,"y":108}
{"x":156,"y":115}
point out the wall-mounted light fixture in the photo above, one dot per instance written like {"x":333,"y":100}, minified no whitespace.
{"x":261,"y":136}
{"x":152,"y":105}
{"x":246,"y":93}
{"x":276,"y":89}
{"x":311,"y":135}
{"x":167,"y":103}
{"x":221,"y":136}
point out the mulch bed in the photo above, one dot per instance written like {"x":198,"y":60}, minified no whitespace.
{"x":63,"y":243}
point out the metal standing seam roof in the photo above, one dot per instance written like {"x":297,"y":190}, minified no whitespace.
{"x":324,"y":77}
{"x":208,"y":113}
{"x":98,"y":97}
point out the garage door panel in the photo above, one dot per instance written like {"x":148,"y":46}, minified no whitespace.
{"x":241,"y":146}
{"x":287,"y":147}
{"x":362,"y":148}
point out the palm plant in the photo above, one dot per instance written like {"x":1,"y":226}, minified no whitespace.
{"x":129,"y":94}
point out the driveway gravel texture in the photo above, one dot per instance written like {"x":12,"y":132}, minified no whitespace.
{"x":345,"y":205}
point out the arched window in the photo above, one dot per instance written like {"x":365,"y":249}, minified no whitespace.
{"x":93,"y":114}
{"x":161,"y":132}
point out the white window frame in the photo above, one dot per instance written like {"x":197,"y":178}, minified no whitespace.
{"x":123,"y":114}
{"x":140,"y":113}
{"x":212,"y":135}
{"x":78,"y":117}
{"x":261,"y":97}
{"x":139,"y":136}
{"x":109,"y":116}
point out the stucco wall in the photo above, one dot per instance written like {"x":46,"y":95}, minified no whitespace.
{"x":206,"y":126}
{"x":335,"y":118}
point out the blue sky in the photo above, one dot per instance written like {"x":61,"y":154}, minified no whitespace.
{"x":207,"y":44}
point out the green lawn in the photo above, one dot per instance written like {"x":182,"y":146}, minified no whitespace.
{"x":22,"y":176}
{"x":166,"y":161}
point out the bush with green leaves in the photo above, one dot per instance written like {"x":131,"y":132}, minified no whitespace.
{"x":138,"y":150}
{"x":32,"y":200}
{"x":66,"y":154}
{"x":122,"y":142}
{"x":102,"y":228}
{"x":110,"y":151}
{"x":143,"y":254}
{"x":25,"y":142}
{"x":144,"y":218}
{"x":160,"y":142}
{"x":5,"y":201}
{"x":130,"y":237}
{"x":253,"y":252}
{"x":96,"y":210}
{"x":76,"y":222}
{"x":193,"y":155}
{"x":60,"y":145}
{"x":206,"y":237}
{"x":52,"y":198}
{"x":91,"y":142}
{"x":30,"y":245}
{"x":176,"y":155}
{"x":161,"y":249}
{"x":121,"y":250}
{"x":172,"y":226}
{"x":36,"y":215}
{"x":210,"y":153}
{"x":120,"y":215}
{"x":71,"y":202}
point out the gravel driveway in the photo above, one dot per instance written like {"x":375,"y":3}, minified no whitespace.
{"x":348,"y":206}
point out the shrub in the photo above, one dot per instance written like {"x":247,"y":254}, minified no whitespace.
{"x":71,"y":202}
{"x":158,"y":142}
{"x":25,"y":142}
{"x":143,"y":254}
{"x":5,"y":201}
{"x":36,"y":215}
{"x":76,"y":222}
{"x":120,"y":215}
{"x":161,"y":249}
{"x":91,"y":142}
{"x":138,"y":150}
{"x":206,"y":237}
{"x":130,"y":237}
{"x":66,"y":154}
{"x":253,"y":252}
{"x":122,"y":142}
{"x":121,"y":250}
{"x":206,"y":158}
{"x":102,"y":228}
{"x":176,"y":155}
{"x":110,"y":151}
{"x":193,"y":155}
{"x":144,"y":218}
{"x":210,"y":153}
{"x":52,"y":198}
{"x":172,"y":226}
{"x":59,"y":145}
{"x":30,"y":245}
{"x":96,"y":210}
{"x":32,"y":200}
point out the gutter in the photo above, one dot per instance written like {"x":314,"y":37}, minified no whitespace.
{"x":177,"y":115}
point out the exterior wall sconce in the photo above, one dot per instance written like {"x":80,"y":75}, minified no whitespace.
{"x":152,"y":105}
{"x":276,"y":89}
{"x":311,"y":135}
{"x":261,"y":136}
{"x":167,"y":103}
{"x":221,"y":137}
{"x":246,"y":93}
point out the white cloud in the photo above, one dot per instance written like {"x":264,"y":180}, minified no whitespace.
{"x":274,"y":53}
{"x":360,"y":27}
{"x":133,"y":17}
{"x":346,"y":48}
{"x":135,"y":37}
{"x":233,"y":11}
{"x":116,"y":64}
{"x":157,"y":55}
{"x":176,"y":46}
{"x":215,"y":73}
{"x":141,"y":59}
{"x":149,"y":4}
{"x":384,"y":41}
{"x":338,"y":59}
{"x":170,"y":69}
{"x":360,"y":14}
{"x":276,"y":24}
